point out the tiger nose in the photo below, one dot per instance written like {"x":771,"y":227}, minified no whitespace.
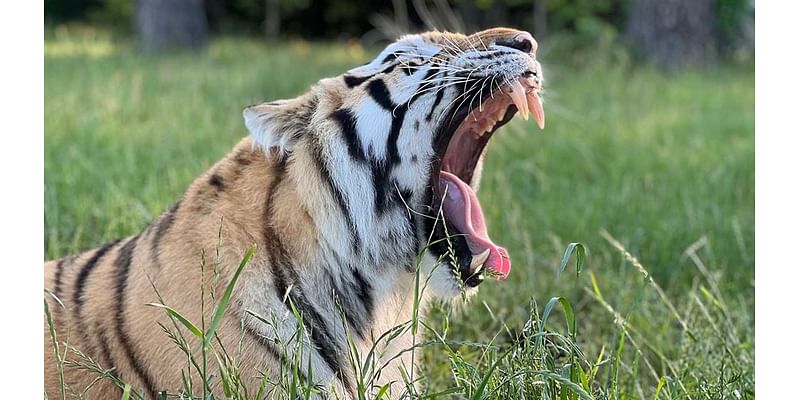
{"x":522,"y":41}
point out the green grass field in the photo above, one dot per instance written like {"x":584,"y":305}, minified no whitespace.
{"x":660,"y":164}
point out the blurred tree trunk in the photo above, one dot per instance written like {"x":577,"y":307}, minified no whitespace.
{"x":539,"y":19}
{"x":470,"y":15}
{"x":215,"y":10}
{"x":672,"y":33}
{"x":272,"y":19}
{"x":497,"y":14}
{"x":163,"y":24}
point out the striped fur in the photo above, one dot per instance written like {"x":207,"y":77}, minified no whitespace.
{"x":334,"y":188}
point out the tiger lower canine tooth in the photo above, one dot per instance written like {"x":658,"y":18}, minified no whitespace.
{"x":479,"y":259}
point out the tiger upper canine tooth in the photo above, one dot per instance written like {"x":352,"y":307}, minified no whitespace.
{"x":535,"y":106}
{"x":478,"y":260}
{"x":517,"y":95}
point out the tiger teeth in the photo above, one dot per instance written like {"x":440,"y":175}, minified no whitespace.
{"x":523,"y":93}
{"x":478,"y":260}
{"x":535,"y":105}
{"x":489,"y":122}
{"x":517,"y":94}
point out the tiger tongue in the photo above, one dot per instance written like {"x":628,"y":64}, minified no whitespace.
{"x":462,"y":209}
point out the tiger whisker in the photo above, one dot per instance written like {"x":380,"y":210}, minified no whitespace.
{"x":427,"y":83}
{"x":464,"y":95}
{"x":477,"y":94}
{"x":449,"y":82}
{"x":408,"y":208}
{"x":430,"y":88}
{"x":423,"y":57}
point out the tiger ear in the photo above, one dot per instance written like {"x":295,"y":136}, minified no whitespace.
{"x":277,"y":124}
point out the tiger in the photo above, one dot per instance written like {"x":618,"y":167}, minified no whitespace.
{"x":355,"y":194}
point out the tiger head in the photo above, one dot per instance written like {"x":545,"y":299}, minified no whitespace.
{"x":400,"y":142}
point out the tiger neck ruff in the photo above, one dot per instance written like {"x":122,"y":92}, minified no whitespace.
{"x":356,"y":194}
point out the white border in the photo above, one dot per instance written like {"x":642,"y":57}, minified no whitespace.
{"x":777,"y":199}
{"x":22,"y":194}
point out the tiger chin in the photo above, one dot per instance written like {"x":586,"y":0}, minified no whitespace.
{"x":355,"y":194}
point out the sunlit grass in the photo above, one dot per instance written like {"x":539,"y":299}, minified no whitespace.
{"x":79,"y":41}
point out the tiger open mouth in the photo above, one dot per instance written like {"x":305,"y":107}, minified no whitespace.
{"x":459,"y":158}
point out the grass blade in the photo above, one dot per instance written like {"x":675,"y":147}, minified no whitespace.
{"x":226,"y":297}
{"x":188,"y":324}
{"x":568,"y":313}
{"x":580,"y":258}
{"x":126,"y":392}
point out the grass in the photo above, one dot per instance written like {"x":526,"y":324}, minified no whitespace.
{"x":652,"y":172}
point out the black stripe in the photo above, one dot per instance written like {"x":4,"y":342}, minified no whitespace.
{"x":364,"y":293}
{"x":312,"y":320}
{"x":393,"y":154}
{"x":380,"y":171}
{"x":357,"y":314}
{"x":337,"y":195}
{"x":105,"y":349}
{"x":493,"y":54}
{"x":347,"y":123}
{"x":387,"y":69}
{"x":457,"y":244}
{"x":279,"y":258}
{"x":407,"y":198}
{"x":217,"y":182}
{"x":279,"y":171}
{"x":436,"y":101}
{"x":431,"y":72}
{"x":380,"y":93}
{"x":166,"y":222}
{"x":281,"y":266}
{"x":273,"y":245}
{"x":347,"y":306}
{"x":319,"y":334}
{"x":123,"y":265}
{"x":80,"y":287}
{"x":59,"y":275}
{"x":381,"y":186}
{"x":353,"y":81}
{"x":390,"y":57}
{"x":409,"y":68}
{"x":83,"y":276}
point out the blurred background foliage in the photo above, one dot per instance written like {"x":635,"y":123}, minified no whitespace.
{"x":714,"y":28}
